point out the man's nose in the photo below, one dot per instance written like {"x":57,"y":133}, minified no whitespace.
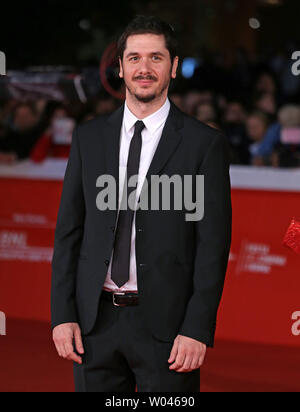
{"x":145,"y":66}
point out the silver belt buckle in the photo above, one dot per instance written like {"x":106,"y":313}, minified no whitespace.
{"x":118,"y":294}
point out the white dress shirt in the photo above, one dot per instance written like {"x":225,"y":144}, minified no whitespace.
{"x":151,"y":135}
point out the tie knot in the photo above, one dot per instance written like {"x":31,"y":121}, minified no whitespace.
{"x":138,"y":127}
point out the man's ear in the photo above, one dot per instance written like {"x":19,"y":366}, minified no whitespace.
{"x":121,"y":73}
{"x":175,"y":67}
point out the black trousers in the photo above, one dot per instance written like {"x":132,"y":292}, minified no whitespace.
{"x":120,"y":354}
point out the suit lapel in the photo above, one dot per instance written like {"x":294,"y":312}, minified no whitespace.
{"x":169,"y":141}
{"x":112,"y":147}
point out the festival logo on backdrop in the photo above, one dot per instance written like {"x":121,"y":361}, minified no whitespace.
{"x":14,"y":246}
{"x":257,"y":258}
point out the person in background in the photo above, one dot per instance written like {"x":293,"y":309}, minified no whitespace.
{"x":233,"y":125}
{"x":104,"y":104}
{"x":191,"y":99}
{"x":286,"y":144}
{"x":266,"y":83}
{"x":178,"y":100}
{"x":256,"y":126}
{"x":207,"y":113}
{"x":22,"y":135}
{"x":41,"y":105}
{"x":50,"y":145}
{"x":271,"y":146}
{"x":266,"y":102}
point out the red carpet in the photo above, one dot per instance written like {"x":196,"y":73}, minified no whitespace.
{"x":29,"y":364}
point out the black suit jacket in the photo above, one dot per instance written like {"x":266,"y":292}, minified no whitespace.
{"x":181,"y":265}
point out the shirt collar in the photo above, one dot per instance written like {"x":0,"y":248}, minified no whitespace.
{"x":152,"y":122}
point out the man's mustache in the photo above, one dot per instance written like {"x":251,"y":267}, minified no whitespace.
{"x":145,"y":78}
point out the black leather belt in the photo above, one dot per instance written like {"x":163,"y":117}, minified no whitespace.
{"x":121,"y":298}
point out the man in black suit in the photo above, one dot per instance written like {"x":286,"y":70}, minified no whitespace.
{"x":135,"y":291}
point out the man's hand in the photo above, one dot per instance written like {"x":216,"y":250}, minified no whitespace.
{"x":187,"y":354}
{"x":63,"y":336}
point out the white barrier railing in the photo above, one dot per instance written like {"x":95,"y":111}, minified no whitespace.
{"x":242,"y":177}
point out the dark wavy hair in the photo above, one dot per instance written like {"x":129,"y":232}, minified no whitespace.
{"x":149,"y":24}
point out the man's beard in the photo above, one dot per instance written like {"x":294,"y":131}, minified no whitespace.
{"x":147,"y":98}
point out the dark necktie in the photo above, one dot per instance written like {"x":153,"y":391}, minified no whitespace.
{"x":121,"y":254}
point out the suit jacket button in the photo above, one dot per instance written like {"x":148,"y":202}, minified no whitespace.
{"x":113,"y":229}
{"x":106,"y":262}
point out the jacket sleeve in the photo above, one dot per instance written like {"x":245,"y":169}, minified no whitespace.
{"x":68,"y":237}
{"x":213,"y":239}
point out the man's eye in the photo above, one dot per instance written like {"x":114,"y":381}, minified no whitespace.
{"x":156,"y":58}
{"x":134,"y":58}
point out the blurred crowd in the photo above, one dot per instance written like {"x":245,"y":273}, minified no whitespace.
{"x":41,"y":128}
{"x":258,"y":111}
